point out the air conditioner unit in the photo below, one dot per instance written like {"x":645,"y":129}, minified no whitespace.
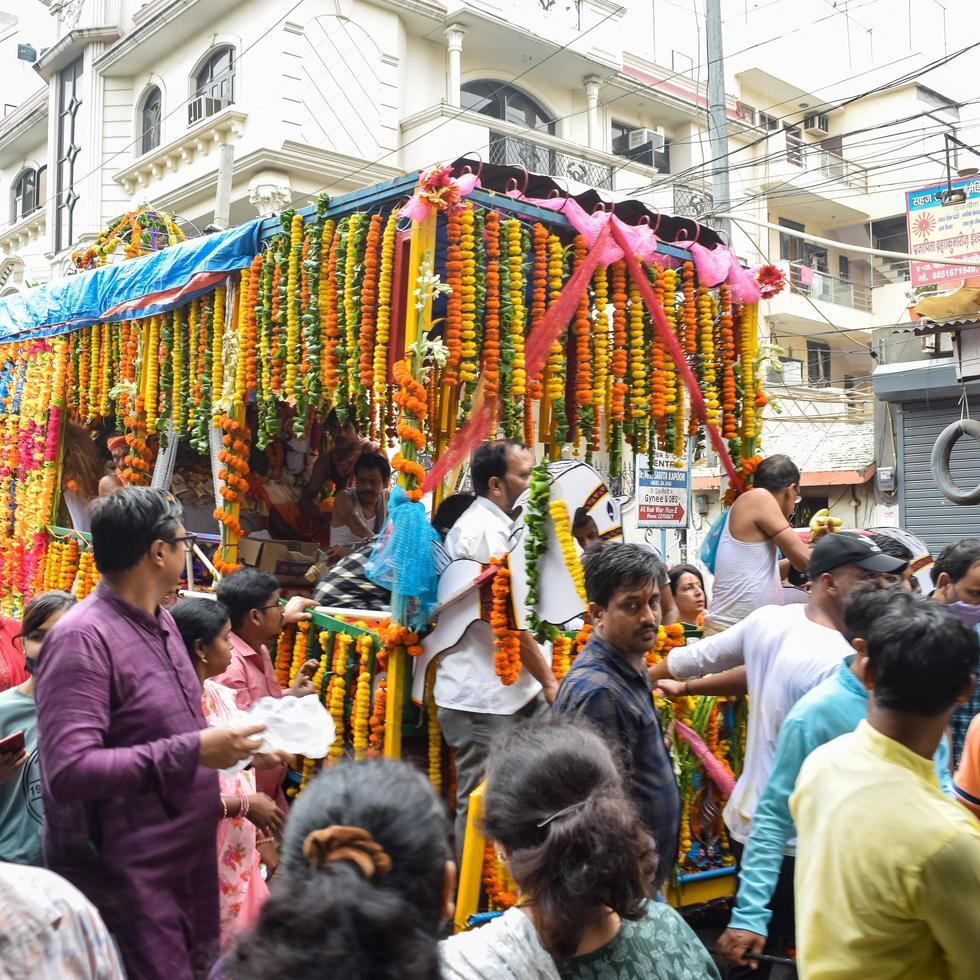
{"x":816,"y":124}
{"x":638,"y":138}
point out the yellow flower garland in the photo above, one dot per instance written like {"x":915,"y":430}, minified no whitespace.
{"x":434,"y":732}
{"x":383,"y":323}
{"x":337,"y":692}
{"x":639,"y":398}
{"x":563,"y":532}
{"x":151,"y":353}
{"x":749,"y":339}
{"x":515,"y":259}
{"x":670,"y":369}
{"x":292,"y":314}
{"x":217,"y":347}
{"x":362,"y":697}
{"x":242,"y":333}
{"x":469,"y":354}
{"x":709,"y":388}
{"x":600,"y":346}
{"x":299,"y":650}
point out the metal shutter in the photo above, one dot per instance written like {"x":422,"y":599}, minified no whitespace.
{"x":924,"y":510}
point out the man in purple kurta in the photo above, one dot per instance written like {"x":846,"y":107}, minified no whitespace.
{"x":131,"y":798}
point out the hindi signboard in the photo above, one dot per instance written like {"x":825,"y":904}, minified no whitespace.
{"x":663,"y":491}
{"x":938,"y":229}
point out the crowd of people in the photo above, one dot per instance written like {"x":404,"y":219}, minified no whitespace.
{"x":144,"y":831}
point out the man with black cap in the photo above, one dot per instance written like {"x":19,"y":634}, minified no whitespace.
{"x":786,"y":650}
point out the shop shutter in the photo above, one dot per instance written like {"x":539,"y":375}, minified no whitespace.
{"x":924,"y":510}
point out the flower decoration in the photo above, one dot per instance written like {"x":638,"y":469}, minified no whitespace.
{"x":771,"y":280}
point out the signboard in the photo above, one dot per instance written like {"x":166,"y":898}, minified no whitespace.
{"x":937,"y":229}
{"x":663,"y":491}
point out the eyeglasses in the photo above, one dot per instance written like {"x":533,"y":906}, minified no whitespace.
{"x":187,"y":540}
{"x":275,"y":605}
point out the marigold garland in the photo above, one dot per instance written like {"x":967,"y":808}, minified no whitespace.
{"x":555,"y":365}
{"x":515,"y":262}
{"x":383,"y":331}
{"x":362,"y":696}
{"x":561,"y":656}
{"x":411,"y":399}
{"x":336,"y":692}
{"x":582,"y":331}
{"x":690,"y":333}
{"x":500,"y":889}
{"x":563,"y":532}
{"x":708,"y":356}
{"x":454,"y":300}
{"x":539,"y":293}
{"x":491,"y":338}
{"x":468,"y":338}
{"x":601,"y":337}
{"x":434,"y":733}
{"x":506,"y":639}
{"x":376,"y":740}
{"x":639,"y":401}
{"x":369,"y":303}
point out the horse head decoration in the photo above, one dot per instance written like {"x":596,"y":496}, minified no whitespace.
{"x":464,"y":589}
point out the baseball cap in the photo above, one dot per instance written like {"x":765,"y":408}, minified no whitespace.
{"x":836,"y":550}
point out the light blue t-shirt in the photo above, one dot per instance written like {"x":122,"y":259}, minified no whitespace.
{"x":21,"y":813}
{"x":833,"y":708}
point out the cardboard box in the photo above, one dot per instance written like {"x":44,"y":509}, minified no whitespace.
{"x":287,"y":560}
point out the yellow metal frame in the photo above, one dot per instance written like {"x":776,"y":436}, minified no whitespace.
{"x":694,"y":892}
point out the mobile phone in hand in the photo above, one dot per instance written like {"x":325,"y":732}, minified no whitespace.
{"x":13,"y":744}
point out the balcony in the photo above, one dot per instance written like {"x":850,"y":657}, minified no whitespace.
{"x":828,"y":188}
{"x":512,"y":151}
{"x":816,"y":302}
{"x":443,"y":132}
{"x":827,"y":289}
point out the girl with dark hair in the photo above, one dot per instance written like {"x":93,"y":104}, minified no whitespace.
{"x":205,"y":629}
{"x":687,"y":584}
{"x":558,"y":815}
{"x":81,"y":472}
{"x":21,"y":810}
{"x":366,"y":879}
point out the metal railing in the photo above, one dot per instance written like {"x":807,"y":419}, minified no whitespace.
{"x":819,"y":285}
{"x":513,"y":151}
{"x":691,"y":202}
{"x":829,"y":165}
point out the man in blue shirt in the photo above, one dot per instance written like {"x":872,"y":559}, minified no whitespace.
{"x":957,"y":577}
{"x":608,"y":684}
{"x":833,"y":708}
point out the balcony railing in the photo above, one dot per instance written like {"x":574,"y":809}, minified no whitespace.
{"x":512,"y":151}
{"x":829,"y":165}
{"x":819,"y":285}
{"x":204,"y":106}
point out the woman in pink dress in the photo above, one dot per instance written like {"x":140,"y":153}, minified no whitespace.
{"x":246,"y":835}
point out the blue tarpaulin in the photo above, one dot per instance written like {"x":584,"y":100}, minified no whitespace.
{"x":140,"y":287}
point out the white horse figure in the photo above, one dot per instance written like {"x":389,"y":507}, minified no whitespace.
{"x":464,"y":589}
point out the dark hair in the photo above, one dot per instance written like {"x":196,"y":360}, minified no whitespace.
{"x":776,"y":473}
{"x":243,"y":591}
{"x":490,"y":460}
{"x":581,"y":519}
{"x":126,"y":523}
{"x":450,"y":511}
{"x":594,"y":854}
{"x":83,"y":462}
{"x":373,"y":461}
{"x":199,"y":619}
{"x":892,"y":546}
{"x":674,"y":575}
{"x":613,"y":566}
{"x":864,"y":604}
{"x":41,"y":608}
{"x":332,"y":421}
{"x":956,"y":560}
{"x":921,"y":656}
{"x":355,"y":928}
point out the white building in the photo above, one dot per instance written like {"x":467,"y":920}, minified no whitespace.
{"x":130,"y":102}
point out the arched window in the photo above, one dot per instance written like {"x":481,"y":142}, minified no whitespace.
{"x":151,"y":112}
{"x":502,"y":101}
{"x":214,"y":84}
{"x":25,"y":195}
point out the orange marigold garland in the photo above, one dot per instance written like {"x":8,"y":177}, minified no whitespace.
{"x":582,"y":329}
{"x":690,"y":335}
{"x":411,"y":399}
{"x":539,"y":293}
{"x":468,"y":340}
{"x":491,"y":339}
{"x":454,"y":301}
{"x":709,"y":388}
{"x":360,"y":717}
{"x":369,"y":304}
{"x":500,"y":888}
{"x":639,"y":400}
{"x":506,"y":639}
{"x":383,"y":327}
{"x":601,"y":349}
{"x":555,"y":365}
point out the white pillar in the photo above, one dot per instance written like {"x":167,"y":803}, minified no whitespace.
{"x":592,"y":107}
{"x":454,"y":49}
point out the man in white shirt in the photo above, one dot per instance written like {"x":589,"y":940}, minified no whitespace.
{"x":786,"y":650}
{"x":473,"y":703}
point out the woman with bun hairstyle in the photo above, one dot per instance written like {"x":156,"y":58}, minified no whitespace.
{"x":557,"y":812}
{"x":365,"y":882}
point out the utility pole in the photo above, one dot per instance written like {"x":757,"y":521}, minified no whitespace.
{"x":222,"y":202}
{"x":717,"y":123}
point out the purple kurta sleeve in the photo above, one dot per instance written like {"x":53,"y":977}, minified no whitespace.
{"x":74,"y":704}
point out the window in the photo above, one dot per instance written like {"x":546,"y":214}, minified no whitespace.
{"x":794,"y":145}
{"x":844,"y":268}
{"x":790,"y":248}
{"x":767,"y":122}
{"x":69,"y":102}
{"x":818,"y":363}
{"x":659,"y":158}
{"x":502,"y":101}
{"x":25,"y":196}
{"x":149,"y":120}
{"x":214,"y":85}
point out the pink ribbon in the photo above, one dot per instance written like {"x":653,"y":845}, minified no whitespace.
{"x":419,"y":207}
{"x":718,"y":774}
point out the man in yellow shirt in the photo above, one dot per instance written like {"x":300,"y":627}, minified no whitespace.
{"x":887,"y":868}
